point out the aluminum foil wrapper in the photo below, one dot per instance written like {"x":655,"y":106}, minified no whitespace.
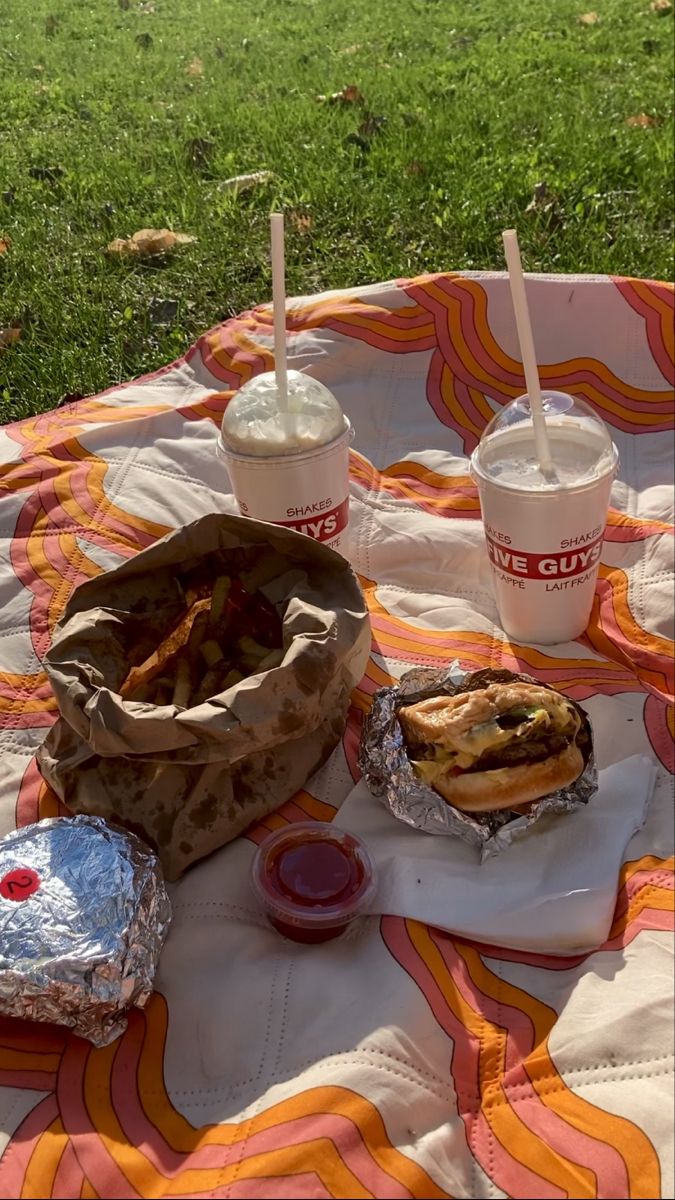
{"x":389,"y":775}
{"x":83,"y":917}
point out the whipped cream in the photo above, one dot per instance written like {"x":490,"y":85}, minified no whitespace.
{"x":254,"y":423}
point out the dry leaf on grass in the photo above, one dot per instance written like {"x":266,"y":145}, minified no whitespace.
{"x":196,"y":67}
{"x":351,"y":49}
{"x":660,"y":6}
{"x":183,"y":239}
{"x":5,"y":244}
{"x":121,"y":246}
{"x":147,"y":243}
{"x":542,"y":198}
{"x":641,"y":121}
{"x":302,"y":221}
{"x":415,"y":168}
{"x":9,"y":336}
{"x":545,"y":203}
{"x":349,"y":95}
{"x":590,"y":18}
{"x":241,"y":183}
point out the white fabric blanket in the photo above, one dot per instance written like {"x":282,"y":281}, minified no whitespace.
{"x":401,"y":1060}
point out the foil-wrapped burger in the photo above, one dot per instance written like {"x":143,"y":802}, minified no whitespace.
{"x":83,"y":917}
{"x":500,"y":746}
{"x":480,"y":755}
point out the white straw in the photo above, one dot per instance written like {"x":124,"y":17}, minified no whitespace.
{"x":279,"y":307}
{"x":517,"y":283}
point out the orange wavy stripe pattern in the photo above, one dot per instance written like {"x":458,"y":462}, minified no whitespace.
{"x":105,"y":1127}
{"x":457,"y":496}
{"x":532,"y":1135}
{"x":111,"y":1123}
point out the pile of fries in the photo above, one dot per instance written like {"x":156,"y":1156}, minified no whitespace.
{"x":228,"y":632}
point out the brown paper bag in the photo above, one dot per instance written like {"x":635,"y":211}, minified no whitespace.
{"x":189,"y":780}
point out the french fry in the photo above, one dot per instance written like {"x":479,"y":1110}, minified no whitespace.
{"x":190,"y":651}
{"x":221,"y":591}
{"x":173,"y":642}
{"x":181,"y":689}
{"x":211,"y":652}
{"x":249,"y":648}
{"x":197,"y":634}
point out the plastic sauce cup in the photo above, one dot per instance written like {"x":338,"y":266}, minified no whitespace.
{"x":312,"y":880}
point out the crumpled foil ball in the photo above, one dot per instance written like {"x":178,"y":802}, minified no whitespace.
{"x":84,"y":913}
{"x":387,"y":771}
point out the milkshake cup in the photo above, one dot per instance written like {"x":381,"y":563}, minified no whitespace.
{"x":544,"y":530}
{"x":289,"y":464}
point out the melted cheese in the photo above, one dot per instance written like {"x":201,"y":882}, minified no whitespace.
{"x":468,"y":747}
{"x":491,"y":736}
{"x":428,"y":770}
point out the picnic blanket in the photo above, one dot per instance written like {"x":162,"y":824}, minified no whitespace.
{"x":399,"y":1060}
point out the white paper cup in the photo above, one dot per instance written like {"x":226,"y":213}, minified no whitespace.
{"x":545,"y":545}
{"x":308,"y":492}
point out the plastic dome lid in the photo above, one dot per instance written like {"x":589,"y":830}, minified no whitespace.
{"x":255,"y":424}
{"x":582,"y":449}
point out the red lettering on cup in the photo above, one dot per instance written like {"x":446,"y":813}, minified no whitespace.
{"x":19,"y":884}
{"x":323,"y":526}
{"x":557,"y":565}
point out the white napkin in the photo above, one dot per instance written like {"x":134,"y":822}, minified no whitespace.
{"x":551,"y":891}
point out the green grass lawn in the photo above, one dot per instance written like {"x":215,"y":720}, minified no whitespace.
{"x":117,"y":114}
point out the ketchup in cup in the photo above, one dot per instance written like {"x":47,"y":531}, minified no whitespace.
{"x":312,"y":880}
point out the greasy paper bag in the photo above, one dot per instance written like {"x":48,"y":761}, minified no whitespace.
{"x":189,"y":780}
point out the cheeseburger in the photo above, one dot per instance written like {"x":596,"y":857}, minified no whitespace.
{"x":500,"y":746}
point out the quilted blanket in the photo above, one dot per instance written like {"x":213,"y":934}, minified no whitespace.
{"x":399,"y":1061}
